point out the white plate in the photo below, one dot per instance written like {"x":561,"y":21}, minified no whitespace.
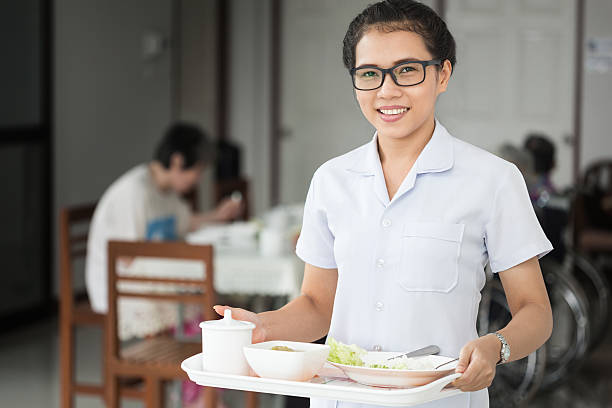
{"x":393,"y":378}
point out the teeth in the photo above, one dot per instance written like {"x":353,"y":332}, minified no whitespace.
{"x":393,"y":111}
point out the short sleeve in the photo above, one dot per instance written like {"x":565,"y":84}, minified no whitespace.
{"x":513,"y":233}
{"x":316,"y":243}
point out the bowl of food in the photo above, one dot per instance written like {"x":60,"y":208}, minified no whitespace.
{"x":286,"y":360}
{"x":375,"y":369}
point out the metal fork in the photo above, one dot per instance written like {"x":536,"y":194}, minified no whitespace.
{"x":425,"y":351}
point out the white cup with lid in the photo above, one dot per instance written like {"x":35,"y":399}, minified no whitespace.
{"x":222,"y":343}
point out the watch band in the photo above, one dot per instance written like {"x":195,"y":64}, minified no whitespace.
{"x":504,"y":354}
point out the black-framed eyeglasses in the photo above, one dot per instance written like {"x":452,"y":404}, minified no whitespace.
{"x":407,"y":73}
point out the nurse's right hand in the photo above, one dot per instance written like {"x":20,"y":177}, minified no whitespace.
{"x":259,"y":333}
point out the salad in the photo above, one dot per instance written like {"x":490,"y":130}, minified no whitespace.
{"x":354,"y":355}
{"x":344,"y":354}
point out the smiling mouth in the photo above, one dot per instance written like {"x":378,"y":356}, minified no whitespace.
{"x":397,"y":111}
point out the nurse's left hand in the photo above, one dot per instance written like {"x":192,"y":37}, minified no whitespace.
{"x":477,"y":362}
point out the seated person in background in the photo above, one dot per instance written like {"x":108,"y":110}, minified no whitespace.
{"x":542,"y":151}
{"x":551,"y":208}
{"x":145,"y":203}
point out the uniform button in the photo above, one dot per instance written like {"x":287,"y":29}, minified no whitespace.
{"x":380,"y":306}
{"x":386,"y":223}
{"x":380,"y":263}
{"x":377,"y":347}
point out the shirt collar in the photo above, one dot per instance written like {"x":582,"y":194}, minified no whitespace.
{"x":437,"y":156}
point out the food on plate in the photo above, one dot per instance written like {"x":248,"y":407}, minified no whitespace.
{"x":344,"y":354}
{"x":353,"y":355}
{"x":282,"y":348}
{"x":407,"y":363}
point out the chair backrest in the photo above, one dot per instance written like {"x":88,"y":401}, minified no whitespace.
{"x":224,"y":188}
{"x":598,"y":176}
{"x":186,"y":291}
{"x":596,"y":187}
{"x":73,"y":228}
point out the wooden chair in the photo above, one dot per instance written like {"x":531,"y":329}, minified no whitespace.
{"x":156,"y":359}
{"x":224,"y":188}
{"x":75,"y":309}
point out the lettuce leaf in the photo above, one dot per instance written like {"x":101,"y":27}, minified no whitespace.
{"x":353,"y":355}
{"x":345,"y":354}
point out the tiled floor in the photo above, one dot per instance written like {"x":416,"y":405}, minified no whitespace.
{"x":29,"y":374}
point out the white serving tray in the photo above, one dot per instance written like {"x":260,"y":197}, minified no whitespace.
{"x":329,"y":384}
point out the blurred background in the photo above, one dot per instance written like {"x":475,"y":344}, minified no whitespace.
{"x":89,"y":86}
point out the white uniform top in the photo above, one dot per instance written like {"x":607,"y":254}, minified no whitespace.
{"x":410,"y":269}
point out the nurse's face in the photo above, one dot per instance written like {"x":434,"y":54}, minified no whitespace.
{"x":399,"y":111}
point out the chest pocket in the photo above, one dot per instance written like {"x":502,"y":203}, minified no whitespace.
{"x":430,"y":256}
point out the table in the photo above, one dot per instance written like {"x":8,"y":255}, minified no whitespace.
{"x":236,"y":272}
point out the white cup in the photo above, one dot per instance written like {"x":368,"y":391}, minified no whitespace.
{"x":222,"y":343}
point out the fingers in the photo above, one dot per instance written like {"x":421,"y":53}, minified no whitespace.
{"x":237,"y":313}
{"x":477,"y":371}
{"x":229,"y":209}
{"x":464,"y":358}
{"x":259,"y":333}
{"x":220,"y":309}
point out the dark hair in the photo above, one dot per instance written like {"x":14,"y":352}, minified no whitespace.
{"x":401,"y":15}
{"x":189,"y":141}
{"x":543,"y":152}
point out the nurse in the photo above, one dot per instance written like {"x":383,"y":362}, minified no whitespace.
{"x":396,"y":233}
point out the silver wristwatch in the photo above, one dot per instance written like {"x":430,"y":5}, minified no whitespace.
{"x":504,"y":354}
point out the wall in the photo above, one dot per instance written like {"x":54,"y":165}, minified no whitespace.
{"x":249,"y":97}
{"x":197,"y":62}
{"x":20,"y":76}
{"x":320,"y":116}
{"x":110,"y":104}
{"x":195,"y":76}
{"x":23,"y":207}
{"x":526,"y":83}
{"x":596,"y":134}
{"x":249,"y":74}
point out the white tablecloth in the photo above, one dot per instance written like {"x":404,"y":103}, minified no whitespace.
{"x":245,"y":272}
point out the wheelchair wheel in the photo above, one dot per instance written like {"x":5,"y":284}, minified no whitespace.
{"x":517,"y":382}
{"x":569,"y":341}
{"x":597,"y":290}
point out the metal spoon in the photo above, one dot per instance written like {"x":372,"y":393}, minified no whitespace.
{"x":425,"y":351}
{"x":448,"y":362}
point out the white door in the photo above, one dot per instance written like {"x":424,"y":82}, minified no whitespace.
{"x":320,"y":115}
{"x":515,"y":74}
